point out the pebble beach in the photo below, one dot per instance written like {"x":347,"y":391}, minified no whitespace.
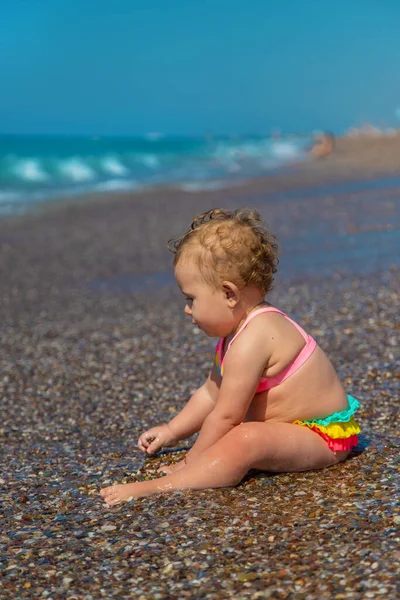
{"x":96,"y":348}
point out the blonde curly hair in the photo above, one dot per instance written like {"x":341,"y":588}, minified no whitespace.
{"x":230,"y":246}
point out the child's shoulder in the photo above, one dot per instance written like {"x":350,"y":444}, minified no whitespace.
{"x":261,"y":331}
{"x":268,"y":326}
{"x":269,"y":317}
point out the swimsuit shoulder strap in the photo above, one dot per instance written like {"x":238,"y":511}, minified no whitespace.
{"x":273,"y":309}
{"x":251,"y":316}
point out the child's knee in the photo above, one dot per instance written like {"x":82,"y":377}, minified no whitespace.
{"x":243,"y":437}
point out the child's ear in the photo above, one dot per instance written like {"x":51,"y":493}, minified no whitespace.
{"x":231,"y":292}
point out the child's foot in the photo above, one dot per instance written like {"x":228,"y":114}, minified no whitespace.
{"x":119,"y":493}
{"x":115,"y":494}
{"x":168,"y":469}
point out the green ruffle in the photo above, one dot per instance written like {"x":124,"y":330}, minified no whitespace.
{"x":338,"y":417}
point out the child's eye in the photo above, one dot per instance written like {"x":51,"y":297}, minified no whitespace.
{"x":189,"y":300}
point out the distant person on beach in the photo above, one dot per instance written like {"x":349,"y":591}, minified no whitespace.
{"x":272,"y":400}
{"x":323,"y":145}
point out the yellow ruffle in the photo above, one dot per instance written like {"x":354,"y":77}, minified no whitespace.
{"x":337,"y":430}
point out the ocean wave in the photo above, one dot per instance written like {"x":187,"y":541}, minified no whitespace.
{"x":257,"y":149}
{"x":148,"y":160}
{"x":285,"y":150}
{"x":29,"y":169}
{"x":39,"y":167}
{"x":76,"y":170}
{"x":112,"y":165}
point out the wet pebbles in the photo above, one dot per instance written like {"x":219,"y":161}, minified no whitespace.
{"x":88,"y":362}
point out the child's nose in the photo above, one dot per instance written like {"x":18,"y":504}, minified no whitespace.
{"x":188,"y":310}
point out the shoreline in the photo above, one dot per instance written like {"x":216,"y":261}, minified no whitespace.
{"x":362,"y":159}
{"x":128,"y":232}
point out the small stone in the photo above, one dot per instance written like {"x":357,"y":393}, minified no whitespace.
{"x":251,"y":576}
{"x":168,"y":569}
{"x":108,"y":527}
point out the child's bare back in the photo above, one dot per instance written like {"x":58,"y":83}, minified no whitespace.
{"x":313,"y":391}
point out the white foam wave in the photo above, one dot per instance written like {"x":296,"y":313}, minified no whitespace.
{"x":76,"y":170}
{"x":284,"y":150}
{"x":30,"y":170}
{"x":111,"y":165}
{"x":148,"y":160}
{"x":232,"y":154}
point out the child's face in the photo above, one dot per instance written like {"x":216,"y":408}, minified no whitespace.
{"x":208,"y":307}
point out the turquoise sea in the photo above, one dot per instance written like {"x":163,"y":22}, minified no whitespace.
{"x":37,"y":168}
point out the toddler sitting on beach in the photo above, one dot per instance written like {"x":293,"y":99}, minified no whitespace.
{"x":272,"y":400}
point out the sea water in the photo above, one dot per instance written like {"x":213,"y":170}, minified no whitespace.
{"x":37,"y":168}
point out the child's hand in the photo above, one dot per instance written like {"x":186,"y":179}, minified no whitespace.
{"x":155,"y":438}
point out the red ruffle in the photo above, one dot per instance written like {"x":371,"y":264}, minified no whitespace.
{"x":338,"y":444}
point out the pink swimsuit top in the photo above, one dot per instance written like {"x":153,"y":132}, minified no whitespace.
{"x":266,"y":383}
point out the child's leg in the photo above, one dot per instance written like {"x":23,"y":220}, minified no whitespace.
{"x":279,"y":447}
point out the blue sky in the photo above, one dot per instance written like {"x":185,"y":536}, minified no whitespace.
{"x":190,"y":66}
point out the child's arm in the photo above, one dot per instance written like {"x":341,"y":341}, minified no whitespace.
{"x":243,"y":368}
{"x":187,"y":422}
{"x":191,"y":418}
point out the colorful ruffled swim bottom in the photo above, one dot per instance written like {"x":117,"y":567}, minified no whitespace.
{"x":340,"y":429}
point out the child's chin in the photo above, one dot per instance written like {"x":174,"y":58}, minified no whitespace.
{"x":209,"y":332}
